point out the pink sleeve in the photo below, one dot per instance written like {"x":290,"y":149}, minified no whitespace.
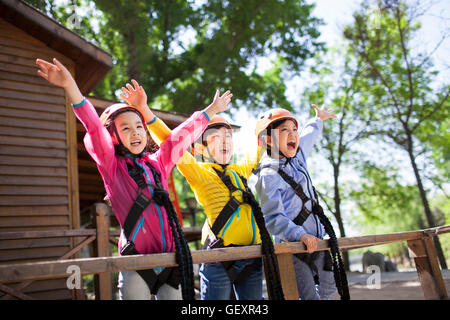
{"x":172,"y":148}
{"x":97,"y":140}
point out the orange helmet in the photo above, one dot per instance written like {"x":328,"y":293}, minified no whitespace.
{"x":216,"y":120}
{"x":270,"y":116}
{"x":112,"y":109}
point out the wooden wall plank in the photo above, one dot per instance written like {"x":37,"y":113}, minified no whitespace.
{"x":18,"y":94}
{"x":32,"y":190}
{"x":11,"y":180}
{"x":28,"y":114}
{"x":12,"y":222}
{"x":32,"y":123}
{"x":33,"y":200}
{"x":16,"y":211}
{"x":31,"y":105}
{"x":32,"y":171}
{"x":38,"y":157}
{"x":32,"y":142}
{"x":36,"y":133}
{"x":33,"y":161}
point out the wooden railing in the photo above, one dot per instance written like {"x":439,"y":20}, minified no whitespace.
{"x":420,"y":244}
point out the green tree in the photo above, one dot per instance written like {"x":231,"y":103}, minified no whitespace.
{"x":399,"y":80}
{"x":180,"y":51}
{"x":336,"y":82}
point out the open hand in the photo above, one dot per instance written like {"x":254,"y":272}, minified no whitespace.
{"x":55,"y":73}
{"x":324,"y":114}
{"x":222,"y":102}
{"x":135,"y":96}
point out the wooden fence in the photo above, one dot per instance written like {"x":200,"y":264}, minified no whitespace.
{"x":420,"y":244}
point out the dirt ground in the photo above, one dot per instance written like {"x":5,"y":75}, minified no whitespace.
{"x":404,"y":290}
{"x":392,"y":288}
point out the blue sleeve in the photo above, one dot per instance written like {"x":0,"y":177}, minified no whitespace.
{"x":270,"y":190}
{"x":309,"y":135}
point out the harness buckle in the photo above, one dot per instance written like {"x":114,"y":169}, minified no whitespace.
{"x":142,"y":200}
{"x":128,"y":249}
{"x":218,"y":243}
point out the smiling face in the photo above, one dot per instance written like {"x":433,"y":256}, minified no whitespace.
{"x":284,"y":138}
{"x":131,"y":131}
{"x":220,"y":144}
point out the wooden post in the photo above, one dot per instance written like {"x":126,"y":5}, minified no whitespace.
{"x":103,"y":285}
{"x":427,"y":264}
{"x":287,"y":276}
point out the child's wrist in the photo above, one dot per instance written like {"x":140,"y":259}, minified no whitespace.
{"x":151,"y":121}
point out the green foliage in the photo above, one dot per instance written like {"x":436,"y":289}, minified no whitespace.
{"x":181,"y":51}
{"x":386,"y":204}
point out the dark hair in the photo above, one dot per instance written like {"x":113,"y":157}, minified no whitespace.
{"x":202,"y":138}
{"x":151,"y":146}
{"x":268,"y":132}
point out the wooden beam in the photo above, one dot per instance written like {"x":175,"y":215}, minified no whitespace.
{"x":427,"y":265}
{"x":57,"y":269}
{"x":14,"y":293}
{"x":287,"y":276}
{"x":103,"y":280}
{"x":46,"y":234}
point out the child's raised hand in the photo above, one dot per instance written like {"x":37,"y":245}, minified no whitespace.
{"x":135,"y":95}
{"x":55,"y":73}
{"x":220,"y":103}
{"x":324,"y":114}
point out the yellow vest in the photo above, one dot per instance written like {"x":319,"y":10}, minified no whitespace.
{"x":212,"y":194}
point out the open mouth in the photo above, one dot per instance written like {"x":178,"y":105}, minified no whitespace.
{"x":135,"y":143}
{"x":291,"y":145}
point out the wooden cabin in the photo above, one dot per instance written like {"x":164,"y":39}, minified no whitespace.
{"x":46,"y":176}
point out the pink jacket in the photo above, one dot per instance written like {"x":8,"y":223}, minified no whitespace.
{"x":152,"y":233}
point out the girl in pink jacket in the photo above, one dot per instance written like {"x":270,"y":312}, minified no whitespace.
{"x":136,"y":182}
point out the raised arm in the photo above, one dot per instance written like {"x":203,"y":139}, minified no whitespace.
{"x":98,"y":141}
{"x":174,"y":143}
{"x":312,"y":129}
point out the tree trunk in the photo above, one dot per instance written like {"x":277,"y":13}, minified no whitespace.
{"x":426,"y":206}
{"x":337,"y":213}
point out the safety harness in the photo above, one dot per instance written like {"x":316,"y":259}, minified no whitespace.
{"x":172,"y":276}
{"x":267,"y":246}
{"x":333,"y":262}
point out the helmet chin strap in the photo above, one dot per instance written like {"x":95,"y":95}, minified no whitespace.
{"x":211,"y":159}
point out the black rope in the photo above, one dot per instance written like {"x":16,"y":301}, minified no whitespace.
{"x":340,"y":276}
{"x":183,"y":254}
{"x":275,"y":288}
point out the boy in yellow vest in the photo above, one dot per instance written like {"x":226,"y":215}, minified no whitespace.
{"x":233,"y":215}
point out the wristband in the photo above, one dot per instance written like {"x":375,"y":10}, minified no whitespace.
{"x":150,"y":122}
{"x":206,"y":115}
{"x":79,"y":104}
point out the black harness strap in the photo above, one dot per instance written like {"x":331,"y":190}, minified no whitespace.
{"x":154,"y":281}
{"x":230,"y":207}
{"x":338,"y":267}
